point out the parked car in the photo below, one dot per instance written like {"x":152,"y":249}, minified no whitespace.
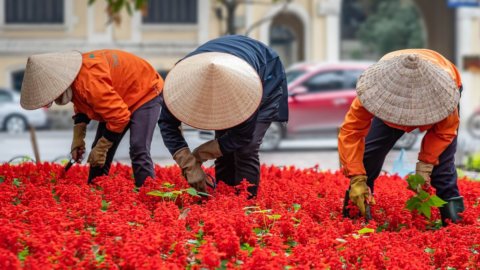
{"x":14,"y":119}
{"x":320,"y":95}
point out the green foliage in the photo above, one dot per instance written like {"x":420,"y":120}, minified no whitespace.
{"x":169,"y":193}
{"x":366,"y":230}
{"x":16,"y":182}
{"x":22,"y":255}
{"x":422,"y":201}
{"x":115,"y":7}
{"x":394,"y":25}
{"x":473,"y":162}
{"x":105,"y":205}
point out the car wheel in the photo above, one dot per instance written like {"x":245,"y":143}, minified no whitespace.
{"x":473,"y":125}
{"x":15,"y":124}
{"x":272,"y":137}
{"x":407,"y":141}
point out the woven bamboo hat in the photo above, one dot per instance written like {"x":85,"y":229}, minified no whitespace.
{"x":212,"y":91}
{"x":408,"y":90}
{"x":47,"y":76}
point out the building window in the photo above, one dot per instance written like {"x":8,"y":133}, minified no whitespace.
{"x":17,"y":79}
{"x":171,"y":12}
{"x":34,"y":11}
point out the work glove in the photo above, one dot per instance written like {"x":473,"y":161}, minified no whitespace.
{"x":78,"y":142}
{"x":360,"y":193}
{"x":207,"y":151}
{"x":425,"y":170}
{"x":98,"y":155}
{"x":191,"y":169}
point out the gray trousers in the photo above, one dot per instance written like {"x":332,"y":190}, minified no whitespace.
{"x":244,"y":163}
{"x":142,"y":125}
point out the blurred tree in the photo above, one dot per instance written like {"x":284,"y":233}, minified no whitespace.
{"x":114,"y":7}
{"x":391,"y":25}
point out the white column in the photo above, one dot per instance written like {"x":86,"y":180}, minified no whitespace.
{"x":470,"y":98}
{"x":93,"y":36}
{"x":331,"y":10}
{"x":204,"y":12}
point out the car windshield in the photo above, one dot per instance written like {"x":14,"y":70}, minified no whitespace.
{"x":294,"y":74}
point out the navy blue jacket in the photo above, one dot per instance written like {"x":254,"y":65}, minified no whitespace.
{"x":274,"y":104}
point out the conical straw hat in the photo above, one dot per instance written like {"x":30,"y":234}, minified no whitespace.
{"x":212,"y":91}
{"x":47,"y":76}
{"x":408,"y":90}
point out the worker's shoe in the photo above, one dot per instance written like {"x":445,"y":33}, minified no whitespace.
{"x":451,"y":210}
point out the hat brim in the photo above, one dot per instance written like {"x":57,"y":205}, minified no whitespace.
{"x":406,"y":96}
{"x":213,"y":91}
{"x":47,"y":76}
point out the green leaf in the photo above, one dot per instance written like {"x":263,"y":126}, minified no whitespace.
{"x":105,"y":205}
{"x":203,"y":194}
{"x":248,"y":248}
{"x":90,"y":2}
{"x":274,"y":217}
{"x":422,"y":195}
{"x":22,"y":255}
{"x":429,"y":250}
{"x":296,"y":207}
{"x":415,"y":180}
{"x":2,"y":179}
{"x":366,"y":230}
{"x":156,"y":193}
{"x":16,"y":182}
{"x":425,"y":210}
{"x":436,"y":201}
{"x":168,"y":185}
{"x":413,"y":203}
{"x":129,"y":8}
{"x":192,"y":191}
{"x":140,"y":3}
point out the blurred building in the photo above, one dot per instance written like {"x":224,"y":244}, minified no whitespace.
{"x":307,"y":30}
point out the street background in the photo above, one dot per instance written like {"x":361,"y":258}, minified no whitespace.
{"x":330,"y":37}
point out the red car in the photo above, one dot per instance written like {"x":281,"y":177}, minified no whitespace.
{"x":320,"y":96}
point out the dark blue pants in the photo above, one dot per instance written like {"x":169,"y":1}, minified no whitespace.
{"x":244,"y":163}
{"x":381,"y":139}
{"x":142,"y":125}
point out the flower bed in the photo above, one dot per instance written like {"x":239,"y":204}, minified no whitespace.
{"x":49,"y":222}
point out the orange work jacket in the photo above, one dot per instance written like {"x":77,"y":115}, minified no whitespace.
{"x":112,"y":84}
{"x":351,"y":140}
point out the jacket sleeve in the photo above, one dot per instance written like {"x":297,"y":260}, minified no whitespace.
{"x":170,"y":128}
{"x":99,"y":93}
{"x":438,"y":138}
{"x":351,"y":140}
{"x":238,"y":136}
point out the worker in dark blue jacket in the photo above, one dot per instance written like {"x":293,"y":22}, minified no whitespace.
{"x":234,"y":85}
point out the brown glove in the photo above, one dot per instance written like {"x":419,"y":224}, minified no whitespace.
{"x":360,"y":192}
{"x":425,"y":170}
{"x":78,"y":142}
{"x":191,"y":169}
{"x":98,"y":156}
{"x":207,"y":151}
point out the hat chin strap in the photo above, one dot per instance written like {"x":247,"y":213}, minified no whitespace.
{"x":64,"y":98}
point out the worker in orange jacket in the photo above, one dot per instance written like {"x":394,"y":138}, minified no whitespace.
{"x":116,"y":88}
{"x":405,"y":90}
